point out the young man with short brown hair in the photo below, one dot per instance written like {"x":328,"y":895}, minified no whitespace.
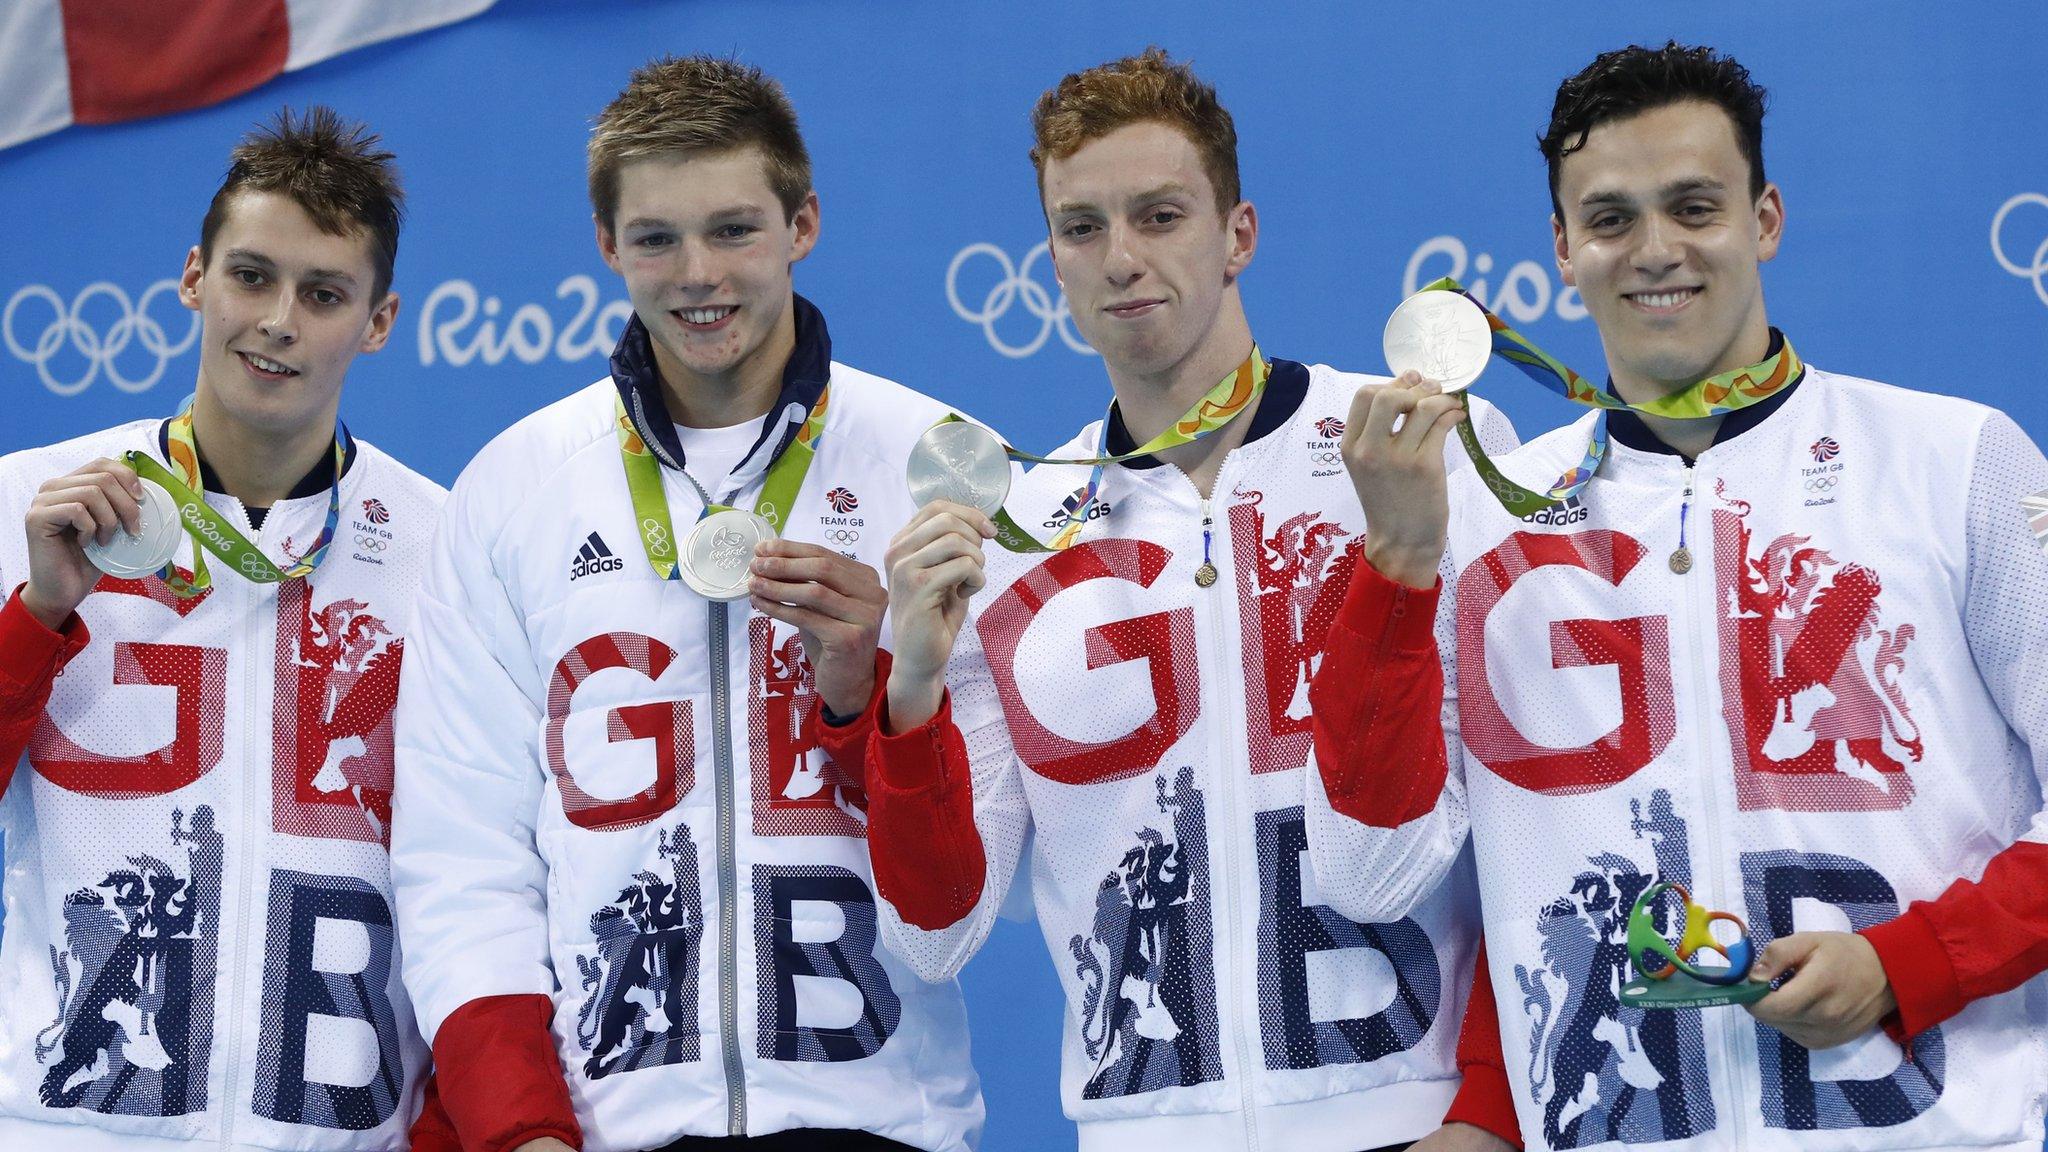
{"x":204,"y":806}
{"x":1793,"y":659}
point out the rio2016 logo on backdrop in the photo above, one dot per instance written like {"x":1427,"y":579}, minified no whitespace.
{"x":1524,"y":293}
{"x":451,"y":333}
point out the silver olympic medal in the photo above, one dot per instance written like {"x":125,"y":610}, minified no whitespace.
{"x":133,"y":557}
{"x":719,"y":551}
{"x":1441,"y":335}
{"x":960,"y":462}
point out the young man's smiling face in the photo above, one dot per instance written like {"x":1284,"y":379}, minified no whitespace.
{"x":284,"y":310}
{"x":1144,"y":256}
{"x":1662,"y":239}
{"x":705,"y":248}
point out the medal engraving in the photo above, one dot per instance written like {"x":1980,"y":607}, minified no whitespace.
{"x":133,"y":557}
{"x":1441,"y":335}
{"x":1205,"y":575}
{"x":719,"y":551}
{"x":961,"y":463}
{"x":1681,"y":560}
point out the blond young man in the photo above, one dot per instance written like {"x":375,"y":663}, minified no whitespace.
{"x":630,"y":856}
{"x":1139,"y":697}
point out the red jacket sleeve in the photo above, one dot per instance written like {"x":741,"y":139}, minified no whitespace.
{"x":1974,"y":940}
{"x":499,"y":1079}
{"x":1484,"y":1100}
{"x":432,"y":1131}
{"x":30,"y":658}
{"x":846,"y":745}
{"x":1377,"y":700}
{"x":926,"y":852}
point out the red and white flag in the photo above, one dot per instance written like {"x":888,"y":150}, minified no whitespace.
{"x":65,"y":62}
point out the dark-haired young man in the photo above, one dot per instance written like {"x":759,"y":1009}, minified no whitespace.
{"x":199,"y":946}
{"x":631,"y":861}
{"x":1139,"y":699}
{"x":1795,"y":659}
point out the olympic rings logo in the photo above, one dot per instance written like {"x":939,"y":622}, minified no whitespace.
{"x":372,"y":544}
{"x":2037,"y":271}
{"x":253,"y":565}
{"x":1015,"y":287}
{"x":842,"y":536}
{"x":68,"y":327}
{"x":1330,"y":457}
{"x":656,"y":536}
{"x":1821,"y":484}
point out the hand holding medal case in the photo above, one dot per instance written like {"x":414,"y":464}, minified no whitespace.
{"x":1673,"y":977}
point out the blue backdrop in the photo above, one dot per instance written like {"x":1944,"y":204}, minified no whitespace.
{"x":1383,"y":145}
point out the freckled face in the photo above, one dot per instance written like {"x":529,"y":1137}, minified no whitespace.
{"x":1143,"y":254}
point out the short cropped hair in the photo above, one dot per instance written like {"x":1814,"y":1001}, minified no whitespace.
{"x":698,"y":104}
{"x":1629,"y":81}
{"x":328,"y":166}
{"x":1149,"y":87}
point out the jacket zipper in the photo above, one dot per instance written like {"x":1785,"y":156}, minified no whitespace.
{"x":728,"y":881}
{"x":1225,"y":879}
{"x":1705,"y":661}
{"x":246,"y":870}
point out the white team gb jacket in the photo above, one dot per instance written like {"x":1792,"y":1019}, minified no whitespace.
{"x":1836,"y":711}
{"x":199,"y":945}
{"x":609,"y":799}
{"x":1151,"y":733}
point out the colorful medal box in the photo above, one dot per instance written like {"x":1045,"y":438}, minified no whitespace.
{"x":1673,"y":977}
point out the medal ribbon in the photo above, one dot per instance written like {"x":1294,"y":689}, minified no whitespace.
{"x":1219,"y":406}
{"x":1715,"y":396}
{"x":213,"y":532}
{"x":650,"y":502}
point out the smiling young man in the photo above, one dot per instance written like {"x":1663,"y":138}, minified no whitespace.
{"x":1792,"y":659}
{"x":199,"y":945}
{"x":1139,"y":698}
{"x":630,"y":856}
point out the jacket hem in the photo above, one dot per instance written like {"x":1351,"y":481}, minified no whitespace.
{"x":1366,"y":1118}
{"x":20,"y":1132}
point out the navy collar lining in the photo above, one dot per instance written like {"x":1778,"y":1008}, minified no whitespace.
{"x":313,"y":483}
{"x":803,"y":379}
{"x":1286,"y":388}
{"x":1629,"y":429}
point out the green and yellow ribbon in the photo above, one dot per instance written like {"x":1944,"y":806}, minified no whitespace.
{"x":213,"y":532}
